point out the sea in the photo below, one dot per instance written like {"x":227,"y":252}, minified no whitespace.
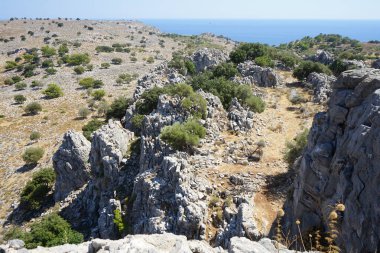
{"x":272,"y":32}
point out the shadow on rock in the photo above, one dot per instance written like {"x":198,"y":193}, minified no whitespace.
{"x":26,"y":168}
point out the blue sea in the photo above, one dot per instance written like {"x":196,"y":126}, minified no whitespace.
{"x":272,"y":32}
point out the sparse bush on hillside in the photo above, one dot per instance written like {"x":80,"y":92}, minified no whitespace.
{"x":36,"y":84}
{"x":51,"y":71}
{"x":63,"y":49}
{"x":264,"y":61}
{"x":78,"y":59}
{"x":91,"y":127}
{"x":34,"y":136}
{"x":33,"y":108}
{"x":51,"y":230}
{"x":19,"y":99}
{"x":116,"y":61}
{"x":137,"y":122}
{"x":118,"y":107}
{"x":53,"y":91}
{"x":338,"y":66}
{"x":150,"y":60}
{"x":183,"y":136}
{"x":294,"y":148}
{"x":9,"y":65}
{"x":248,"y":51}
{"x":183,"y":65}
{"x":20,"y":86}
{"x":105,"y":65}
{"x":104,"y":49}
{"x":83,"y":112}
{"x":98,"y":94}
{"x":32,"y":155}
{"x":47,"y":64}
{"x":79,"y":70}
{"x":48,"y":51}
{"x":226,"y":70}
{"x":87,"y":82}
{"x":307,"y":67}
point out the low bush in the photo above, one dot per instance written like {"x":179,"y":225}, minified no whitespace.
{"x":98,"y":94}
{"x":104,"y":49}
{"x":183,"y":65}
{"x":183,"y":136}
{"x":47,"y":64}
{"x":227,"y":70}
{"x":20,"y":86}
{"x":51,"y":71}
{"x":105,"y":65}
{"x":33,"y":108}
{"x":34,"y":136}
{"x":98,"y":84}
{"x":248,"y":51}
{"x":36,"y":84}
{"x":295,"y":148}
{"x":116,"y":61}
{"x":264,"y":61}
{"x":91,"y":127}
{"x":63,"y":49}
{"x":48,"y":51}
{"x":79,"y":70}
{"x":32,"y":155}
{"x":19,"y":99}
{"x":83,"y":112}
{"x":137,"y":121}
{"x":118,"y":107}
{"x":77,"y":59}
{"x":53,"y":91}
{"x":307,"y":67}
{"x":87,"y":82}
{"x":150,"y":60}
{"x":9,"y":65}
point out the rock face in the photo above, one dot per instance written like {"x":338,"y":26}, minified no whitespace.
{"x":376,"y":64}
{"x":321,"y":84}
{"x":255,"y":75}
{"x":162,"y":243}
{"x":323,"y":57}
{"x":241,"y":120}
{"x":71,"y":164}
{"x":341,"y":164}
{"x":354,"y":64}
{"x":207,"y":58}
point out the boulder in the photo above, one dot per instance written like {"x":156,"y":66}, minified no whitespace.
{"x":323,"y":57}
{"x":255,"y":75}
{"x":340,"y":165}
{"x":241,"y":119}
{"x":321,"y":84}
{"x":206,"y":58}
{"x":71,"y":164}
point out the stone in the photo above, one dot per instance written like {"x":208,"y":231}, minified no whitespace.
{"x":241,"y":119}
{"x":252,"y":74}
{"x":376,"y":64}
{"x":206,"y":58}
{"x":340,"y":165}
{"x":321,"y":84}
{"x":71,"y":164}
{"x":323,"y":57}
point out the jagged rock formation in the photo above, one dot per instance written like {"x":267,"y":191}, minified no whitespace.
{"x":323,"y":57}
{"x":341,"y":165}
{"x":321,"y":84}
{"x":255,"y":75}
{"x":376,"y":64}
{"x":152,"y":244}
{"x":207,"y":58}
{"x":241,"y":120}
{"x":354,"y":64}
{"x":71,"y":164}
{"x":160,"y":76}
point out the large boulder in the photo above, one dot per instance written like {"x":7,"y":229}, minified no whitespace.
{"x":340,"y":165}
{"x":241,"y":120}
{"x":71,"y":164}
{"x":321,"y":84}
{"x":206,"y":58}
{"x":253,"y":74}
{"x":323,"y":57}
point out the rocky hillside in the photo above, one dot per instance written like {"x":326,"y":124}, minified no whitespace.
{"x":340,"y":166}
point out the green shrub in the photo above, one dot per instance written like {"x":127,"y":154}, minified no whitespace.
{"x":34,"y":136}
{"x":295,"y":148}
{"x":89,"y":67}
{"x":306,"y":67}
{"x":83,"y":112}
{"x":79,"y":70}
{"x":47,"y":64}
{"x":118,"y":107}
{"x":60,"y":24}
{"x":150,"y":60}
{"x":183,"y":65}
{"x":87,"y":82}
{"x":126,"y":78}
{"x":105,"y":65}
{"x":338,"y":66}
{"x":119,"y":221}
{"x":36,"y":84}
{"x":63,"y":49}
{"x":288,"y":59}
{"x":51,"y":71}
{"x":9,"y":65}
{"x":98,"y":84}
{"x":148,"y":100}
{"x":116,"y":61}
{"x":51,"y":231}
{"x":53,"y":91}
{"x":264,"y":61}
{"x":226,"y":70}
{"x":104,"y":49}
{"x":8,"y":81}
{"x":183,"y":136}
{"x":19,"y":99}
{"x":248,"y":51}
{"x":256,"y":104}
{"x":98,"y":94}
{"x":20,"y":86}
{"x":32,"y":155}
{"x":48,"y":51}
{"x":91,"y":127}
{"x":33,"y":108}
{"x":16,"y":79}
{"x":78,"y":59}
{"x":137,"y":122}
{"x":195,"y":105}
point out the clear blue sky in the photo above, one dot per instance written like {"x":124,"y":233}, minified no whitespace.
{"x":186,"y":9}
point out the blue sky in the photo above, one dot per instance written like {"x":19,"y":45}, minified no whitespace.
{"x":208,"y":9}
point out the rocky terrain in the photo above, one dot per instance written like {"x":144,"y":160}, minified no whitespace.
{"x":224,"y":192}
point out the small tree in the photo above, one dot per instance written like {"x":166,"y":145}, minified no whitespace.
{"x":33,"y":108}
{"x":91,"y":127}
{"x":87,"y":82}
{"x":118,"y":107}
{"x":307,"y":67}
{"x":53,"y":91}
{"x":32,"y":155}
{"x":19,"y":99}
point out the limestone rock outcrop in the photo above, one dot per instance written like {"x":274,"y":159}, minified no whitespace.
{"x":241,"y":120}
{"x":323,"y":57}
{"x":71,"y":164}
{"x":207,"y":58}
{"x":321,"y":84}
{"x":341,"y":165}
{"x":255,"y":75}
